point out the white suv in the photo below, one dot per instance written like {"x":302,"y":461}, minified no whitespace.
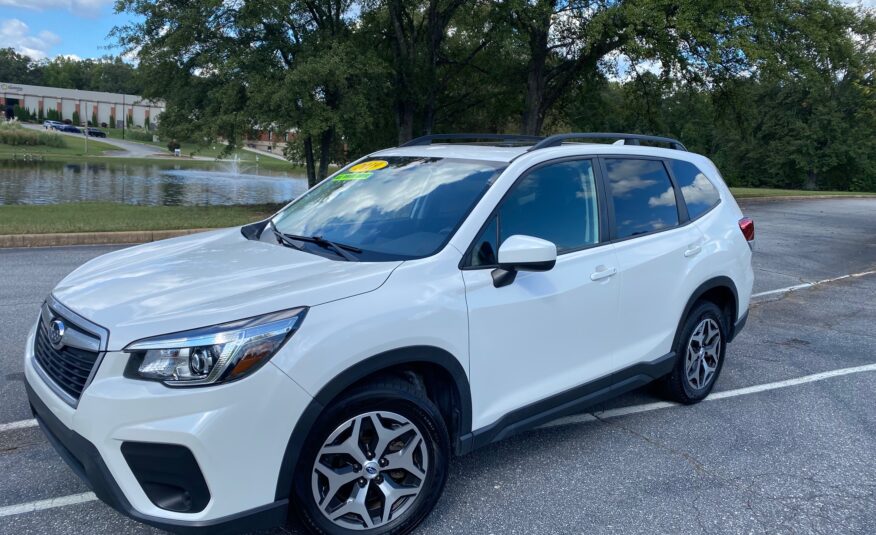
{"x":425,"y":301}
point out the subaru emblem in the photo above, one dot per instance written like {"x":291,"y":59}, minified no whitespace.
{"x":56,"y":334}
{"x":371,"y":470}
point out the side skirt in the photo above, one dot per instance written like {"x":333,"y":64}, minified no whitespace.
{"x":571,"y":401}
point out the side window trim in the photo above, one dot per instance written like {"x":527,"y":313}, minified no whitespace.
{"x":680,"y":207}
{"x":603,"y":239}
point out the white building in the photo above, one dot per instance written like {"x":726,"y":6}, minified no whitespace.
{"x":109,"y":108}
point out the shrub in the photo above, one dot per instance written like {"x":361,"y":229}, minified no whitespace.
{"x":138,"y":135}
{"x":93,"y":118}
{"x":103,"y":125}
{"x":14,"y":134}
{"x":76,"y":119}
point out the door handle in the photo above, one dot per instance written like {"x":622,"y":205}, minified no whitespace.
{"x":600,"y":274}
{"x":693,"y":251}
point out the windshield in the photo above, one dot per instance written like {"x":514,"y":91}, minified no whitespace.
{"x":391,"y":208}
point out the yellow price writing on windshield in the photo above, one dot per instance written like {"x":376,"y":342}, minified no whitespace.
{"x":372,"y":165}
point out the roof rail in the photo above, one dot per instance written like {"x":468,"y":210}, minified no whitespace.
{"x":628,"y":139}
{"x":500,"y":138}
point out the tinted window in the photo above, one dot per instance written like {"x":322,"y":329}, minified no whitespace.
{"x":556,"y":202}
{"x":699,"y":193}
{"x":391,"y":207}
{"x":642,"y":195}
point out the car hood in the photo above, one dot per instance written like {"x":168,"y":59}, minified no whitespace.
{"x":206,"y":279}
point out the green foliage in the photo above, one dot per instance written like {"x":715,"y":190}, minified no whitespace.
{"x":76,"y":118}
{"x":41,"y":116}
{"x":94,"y":118}
{"x":777,"y":93}
{"x":23,"y":114}
{"x":13,"y":134}
{"x":110,"y":74}
{"x":53,"y":115}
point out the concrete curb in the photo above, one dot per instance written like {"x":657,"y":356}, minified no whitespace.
{"x":802,"y":198}
{"x":90,"y":238}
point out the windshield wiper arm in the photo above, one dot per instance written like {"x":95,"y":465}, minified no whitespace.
{"x":284,"y":240}
{"x":340,"y":248}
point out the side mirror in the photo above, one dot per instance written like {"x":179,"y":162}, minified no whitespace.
{"x":523,"y":253}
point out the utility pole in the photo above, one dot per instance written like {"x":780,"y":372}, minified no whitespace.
{"x":124,"y":116}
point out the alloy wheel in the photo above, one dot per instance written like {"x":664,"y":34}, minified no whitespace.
{"x":370,"y":470}
{"x":703,"y":353}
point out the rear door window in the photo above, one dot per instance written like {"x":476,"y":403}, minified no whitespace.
{"x":641,"y":195}
{"x":699,"y":193}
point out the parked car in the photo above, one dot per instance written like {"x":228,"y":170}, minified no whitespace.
{"x":52,"y":125}
{"x":424,"y":301}
{"x":94,"y":132}
{"x":68,"y":128}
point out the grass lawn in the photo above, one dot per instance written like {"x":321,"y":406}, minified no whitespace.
{"x":73,"y":147}
{"x":743,"y":193}
{"x":104,"y":217}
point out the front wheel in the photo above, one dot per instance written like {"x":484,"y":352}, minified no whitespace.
{"x":377,"y":462}
{"x":699,"y":354}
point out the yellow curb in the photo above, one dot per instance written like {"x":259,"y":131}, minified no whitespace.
{"x":90,"y":238}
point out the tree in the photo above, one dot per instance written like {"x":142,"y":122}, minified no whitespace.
{"x":17,"y":68}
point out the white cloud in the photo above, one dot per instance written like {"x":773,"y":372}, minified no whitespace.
{"x":78,"y":7}
{"x":16,"y":34}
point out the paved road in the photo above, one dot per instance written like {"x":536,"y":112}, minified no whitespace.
{"x":797,"y":459}
{"x":127,"y":149}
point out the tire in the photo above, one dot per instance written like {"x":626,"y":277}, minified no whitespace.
{"x":422,"y":445}
{"x":705,"y":321}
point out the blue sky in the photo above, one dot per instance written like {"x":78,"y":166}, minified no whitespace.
{"x":49,"y":28}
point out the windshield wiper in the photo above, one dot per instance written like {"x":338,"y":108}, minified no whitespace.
{"x":340,"y":248}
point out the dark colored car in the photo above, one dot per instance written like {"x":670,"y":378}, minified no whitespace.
{"x":69,"y":129}
{"x":94,"y":132}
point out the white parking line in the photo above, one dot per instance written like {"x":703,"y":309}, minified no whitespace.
{"x":647,"y":407}
{"x":811,"y":284}
{"x":47,"y":504}
{"x":21,"y":424}
{"x":569,"y":420}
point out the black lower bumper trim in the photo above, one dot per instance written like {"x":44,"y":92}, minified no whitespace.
{"x":85,"y":460}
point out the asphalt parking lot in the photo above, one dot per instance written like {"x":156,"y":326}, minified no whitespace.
{"x":787,"y":444}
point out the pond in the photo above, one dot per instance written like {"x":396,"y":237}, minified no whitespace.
{"x":161,"y":183}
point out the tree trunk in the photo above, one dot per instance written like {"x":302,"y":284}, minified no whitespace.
{"x":811,"y":182}
{"x":325,"y":147}
{"x":405,"y":121}
{"x":309,"y":163}
{"x":404,"y":51}
{"x":532,"y":103}
{"x":536,"y":77}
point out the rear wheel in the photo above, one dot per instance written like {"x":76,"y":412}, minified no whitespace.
{"x":377,"y":462}
{"x":699,"y":354}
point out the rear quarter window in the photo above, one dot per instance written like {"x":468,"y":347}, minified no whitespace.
{"x":700,"y":195}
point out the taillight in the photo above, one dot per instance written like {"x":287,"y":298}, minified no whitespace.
{"x":746,"y":225}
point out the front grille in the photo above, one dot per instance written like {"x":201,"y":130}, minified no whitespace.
{"x":69,"y":367}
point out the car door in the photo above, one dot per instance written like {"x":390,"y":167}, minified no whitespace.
{"x":546,"y":332}
{"x":656,"y":251}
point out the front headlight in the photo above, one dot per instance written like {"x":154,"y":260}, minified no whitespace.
{"x":211,"y":355}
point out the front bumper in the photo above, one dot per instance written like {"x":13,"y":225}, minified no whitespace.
{"x":236,"y":433}
{"x":84,"y":459}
